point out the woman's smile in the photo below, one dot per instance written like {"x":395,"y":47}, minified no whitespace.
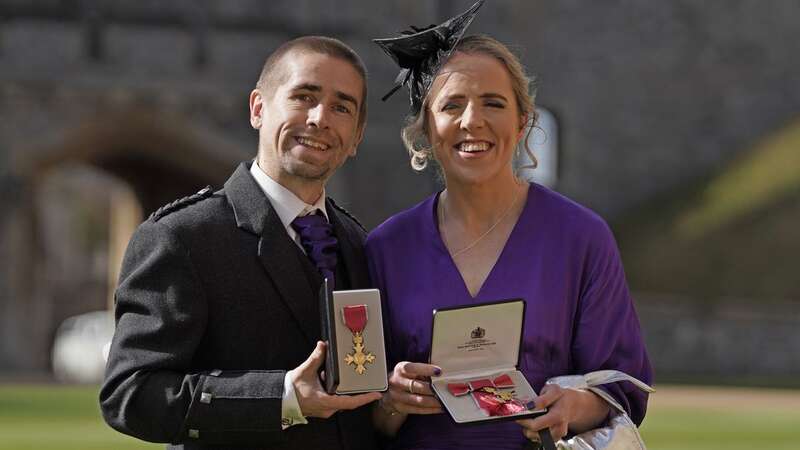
{"x":474,"y":119}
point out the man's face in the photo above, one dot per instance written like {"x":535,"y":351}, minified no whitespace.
{"x":308,"y":119}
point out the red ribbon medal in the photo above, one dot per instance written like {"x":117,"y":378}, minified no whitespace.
{"x":488,"y":395}
{"x":498,"y":404}
{"x":355,"y":318}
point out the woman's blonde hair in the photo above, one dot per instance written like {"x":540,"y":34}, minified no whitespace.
{"x":415,"y":133}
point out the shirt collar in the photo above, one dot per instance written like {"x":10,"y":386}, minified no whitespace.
{"x":285,"y":202}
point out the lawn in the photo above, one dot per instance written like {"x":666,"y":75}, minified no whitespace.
{"x":42,"y":417}
{"x":711,"y":418}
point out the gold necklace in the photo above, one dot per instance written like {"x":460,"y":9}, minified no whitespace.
{"x":485,"y":233}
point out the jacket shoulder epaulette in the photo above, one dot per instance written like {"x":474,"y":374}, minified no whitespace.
{"x":181,"y":203}
{"x":347,"y":213}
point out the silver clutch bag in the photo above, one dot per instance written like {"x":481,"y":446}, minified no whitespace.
{"x":620,"y":433}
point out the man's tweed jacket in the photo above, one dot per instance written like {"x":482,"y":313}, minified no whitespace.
{"x":215,"y":303}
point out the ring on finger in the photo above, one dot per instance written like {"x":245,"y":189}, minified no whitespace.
{"x":411,"y":387}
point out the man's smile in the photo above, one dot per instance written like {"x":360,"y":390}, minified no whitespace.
{"x":311,"y":142}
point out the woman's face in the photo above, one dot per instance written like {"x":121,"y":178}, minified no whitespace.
{"x":474,"y":122}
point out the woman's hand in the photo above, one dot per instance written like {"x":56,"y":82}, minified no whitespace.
{"x":409,"y":393}
{"x":568,"y":410}
{"x":410,"y":390}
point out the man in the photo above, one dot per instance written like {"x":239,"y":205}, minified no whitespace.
{"x":218,"y":292}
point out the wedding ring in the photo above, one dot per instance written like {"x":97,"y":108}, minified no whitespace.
{"x":411,"y":386}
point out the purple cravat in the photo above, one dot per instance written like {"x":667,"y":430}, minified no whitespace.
{"x":316,"y":237}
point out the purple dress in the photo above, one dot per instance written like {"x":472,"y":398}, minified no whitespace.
{"x":561,"y":258}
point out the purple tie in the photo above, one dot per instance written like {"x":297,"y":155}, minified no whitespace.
{"x":316,"y":237}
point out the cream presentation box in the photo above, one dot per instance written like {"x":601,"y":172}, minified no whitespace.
{"x":352,"y":323}
{"x":478,"y":349}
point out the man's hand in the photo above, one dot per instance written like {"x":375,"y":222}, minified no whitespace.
{"x":312,"y":398}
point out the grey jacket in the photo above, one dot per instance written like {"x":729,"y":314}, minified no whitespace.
{"x":215,"y":303}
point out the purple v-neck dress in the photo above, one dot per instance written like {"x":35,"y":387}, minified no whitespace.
{"x":561,"y":258}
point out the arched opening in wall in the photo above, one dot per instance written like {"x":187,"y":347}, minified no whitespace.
{"x":79,"y":211}
{"x":88,"y":195}
{"x":83,"y":215}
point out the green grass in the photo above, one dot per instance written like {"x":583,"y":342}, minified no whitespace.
{"x":681,"y":428}
{"x":43,"y":417}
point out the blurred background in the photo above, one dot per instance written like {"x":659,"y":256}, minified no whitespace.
{"x":679,"y":122}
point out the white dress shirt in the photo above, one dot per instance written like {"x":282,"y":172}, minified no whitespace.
{"x":285,"y":202}
{"x":289,"y":207}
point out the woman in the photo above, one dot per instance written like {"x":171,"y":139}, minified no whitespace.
{"x":490,"y":236}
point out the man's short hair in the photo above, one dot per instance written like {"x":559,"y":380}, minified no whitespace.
{"x":271,"y":72}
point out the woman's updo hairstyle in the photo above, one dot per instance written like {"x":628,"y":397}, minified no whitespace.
{"x":415,"y":133}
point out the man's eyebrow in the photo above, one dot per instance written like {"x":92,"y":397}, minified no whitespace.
{"x":307,"y":87}
{"x":317,"y":88}
{"x":347,"y":98}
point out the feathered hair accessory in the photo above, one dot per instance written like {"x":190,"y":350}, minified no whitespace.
{"x":421,"y":52}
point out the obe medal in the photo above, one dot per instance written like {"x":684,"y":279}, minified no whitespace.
{"x":355,"y":318}
{"x":495,"y":397}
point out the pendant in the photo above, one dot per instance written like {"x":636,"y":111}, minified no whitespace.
{"x":358,"y":357}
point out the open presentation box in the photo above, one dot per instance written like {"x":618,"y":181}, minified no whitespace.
{"x":478,"y":349}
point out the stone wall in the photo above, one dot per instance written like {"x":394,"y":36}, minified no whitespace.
{"x":649,"y":96}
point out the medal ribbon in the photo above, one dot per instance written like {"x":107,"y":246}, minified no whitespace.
{"x":483,"y":391}
{"x":496,"y":406}
{"x":355,"y":317}
{"x":459,"y":389}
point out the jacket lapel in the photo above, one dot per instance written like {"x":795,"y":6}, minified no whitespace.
{"x":351,"y":249}
{"x":276,"y":251}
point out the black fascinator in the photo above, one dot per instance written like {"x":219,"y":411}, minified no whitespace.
{"x":421,"y":52}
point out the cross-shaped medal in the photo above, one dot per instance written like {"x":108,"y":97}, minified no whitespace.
{"x":358,"y":357}
{"x":355,"y":318}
